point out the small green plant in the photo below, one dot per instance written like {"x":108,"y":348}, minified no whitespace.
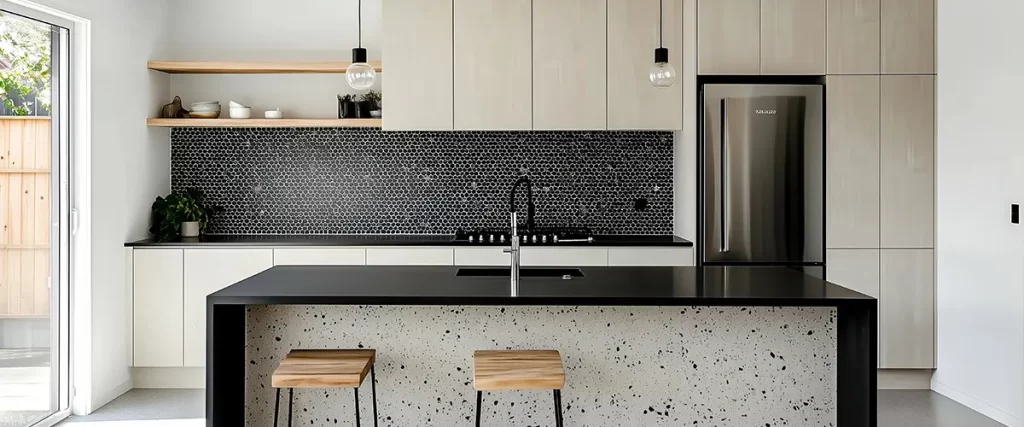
{"x":373,"y":97}
{"x":180,"y":206}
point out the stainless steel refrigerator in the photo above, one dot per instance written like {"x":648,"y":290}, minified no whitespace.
{"x":763,"y":182}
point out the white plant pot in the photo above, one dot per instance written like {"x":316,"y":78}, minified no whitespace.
{"x":190,"y":229}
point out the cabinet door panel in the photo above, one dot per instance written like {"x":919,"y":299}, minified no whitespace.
{"x":728,"y":36}
{"x":208,"y":271}
{"x":320,"y":256}
{"x":564,"y":257}
{"x":569,"y":69}
{"x":633,"y":103}
{"x":907,"y":309}
{"x":493,"y":65}
{"x":793,"y":37}
{"x":410,"y":256}
{"x":856,"y":269}
{"x":416,"y":43}
{"x":157,"y":322}
{"x":650,"y":257}
{"x":907,"y":162}
{"x":908,"y":36}
{"x":852,"y":156}
{"x":854,"y":28}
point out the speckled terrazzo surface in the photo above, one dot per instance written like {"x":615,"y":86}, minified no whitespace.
{"x":625,"y":366}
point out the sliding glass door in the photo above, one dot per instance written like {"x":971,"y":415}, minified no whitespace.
{"x":34,"y":204}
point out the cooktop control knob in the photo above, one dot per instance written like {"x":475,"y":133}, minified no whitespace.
{"x":502,"y":238}
{"x":491,"y":238}
{"x":544,"y":238}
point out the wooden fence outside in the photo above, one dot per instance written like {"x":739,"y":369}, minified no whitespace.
{"x":24,"y":216}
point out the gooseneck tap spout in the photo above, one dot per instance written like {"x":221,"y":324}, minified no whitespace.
{"x":513,"y":251}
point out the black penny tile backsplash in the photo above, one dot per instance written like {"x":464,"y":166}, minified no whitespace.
{"x":367,"y":181}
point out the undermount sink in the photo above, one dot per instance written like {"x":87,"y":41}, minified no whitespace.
{"x":565,"y":273}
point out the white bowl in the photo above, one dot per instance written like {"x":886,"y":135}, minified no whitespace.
{"x":240,"y":112}
{"x":204,"y":114}
{"x":375,"y":114}
{"x":273,"y":114}
{"x":233,"y":104}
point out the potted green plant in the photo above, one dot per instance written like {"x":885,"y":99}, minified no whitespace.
{"x":366,"y":103}
{"x":374,"y":98}
{"x":346,"y":107}
{"x":182,"y":213}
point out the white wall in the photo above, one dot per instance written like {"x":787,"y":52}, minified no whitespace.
{"x":265,"y":30}
{"x":980,"y":169}
{"x":122,"y":166}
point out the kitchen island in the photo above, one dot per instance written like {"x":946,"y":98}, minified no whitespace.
{"x":738,"y":346}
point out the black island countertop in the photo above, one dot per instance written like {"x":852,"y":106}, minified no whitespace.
{"x":613,"y":286}
{"x":394,"y":240}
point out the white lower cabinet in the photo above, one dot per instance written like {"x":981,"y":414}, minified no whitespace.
{"x":564,"y":257}
{"x":208,"y":271}
{"x":482,"y":257}
{"x":157,"y":319}
{"x":650,"y":257}
{"x":319,"y":256}
{"x":410,"y":256}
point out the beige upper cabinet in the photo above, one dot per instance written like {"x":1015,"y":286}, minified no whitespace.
{"x":569,"y":64}
{"x":793,"y":37}
{"x":633,"y":103}
{"x":728,"y":36}
{"x":416,"y":45}
{"x":908,"y":36}
{"x":907,"y":162}
{"x":493,"y":65}
{"x":907,"y":309}
{"x":853,"y":36}
{"x":852,"y":161}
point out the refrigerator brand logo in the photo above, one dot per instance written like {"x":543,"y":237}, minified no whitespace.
{"x":765,"y":112}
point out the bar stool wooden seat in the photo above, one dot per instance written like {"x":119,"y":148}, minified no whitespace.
{"x":324,"y":369}
{"x":495,"y":370}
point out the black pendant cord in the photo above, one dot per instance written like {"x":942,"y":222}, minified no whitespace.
{"x":661,"y":25}
{"x":360,"y":24}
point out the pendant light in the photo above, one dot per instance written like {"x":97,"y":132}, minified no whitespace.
{"x":663,"y":74}
{"x":359,"y":74}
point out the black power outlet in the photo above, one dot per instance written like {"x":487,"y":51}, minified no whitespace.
{"x":1015,"y":213}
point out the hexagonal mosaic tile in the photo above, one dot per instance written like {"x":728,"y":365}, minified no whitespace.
{"x":367,"y":181}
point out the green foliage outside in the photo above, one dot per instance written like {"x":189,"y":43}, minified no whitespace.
{"x":25,"y":50}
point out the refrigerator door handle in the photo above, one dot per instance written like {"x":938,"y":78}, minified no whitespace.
{"x":724,"y":179}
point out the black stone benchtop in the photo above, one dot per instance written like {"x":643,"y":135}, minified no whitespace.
{"x":395,"y":240}
{"x":652,"y":286}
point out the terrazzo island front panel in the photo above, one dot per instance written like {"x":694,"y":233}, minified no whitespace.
{"x":625,"y":366}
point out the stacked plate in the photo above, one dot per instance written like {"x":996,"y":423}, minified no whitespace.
{"x":205,"y":110}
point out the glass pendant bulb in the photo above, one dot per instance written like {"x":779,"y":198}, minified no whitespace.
{"x":359,"y":74}
{"x":662,"y":74}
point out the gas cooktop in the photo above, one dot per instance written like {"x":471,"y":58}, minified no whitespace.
{"x":536,"y":236}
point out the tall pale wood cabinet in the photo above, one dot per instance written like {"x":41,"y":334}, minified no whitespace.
{"x":852,"y":162}
{"x":493,"y":65}
{"x":852,"y":39}
{"x":907,"y":164}
{"x":728,"y":36}
{"x":908,"y":36}
{"x":633,"y":103}
{"x":793,"y":37}
{"x":416,"y":45}
{"x":907,"y":308}
{"x":569,"y":64}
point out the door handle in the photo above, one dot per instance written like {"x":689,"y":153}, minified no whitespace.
{"x":724,"y":179}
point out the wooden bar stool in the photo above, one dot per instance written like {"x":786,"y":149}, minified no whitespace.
{"x":324,"y":369}
{"x":518,"y":370}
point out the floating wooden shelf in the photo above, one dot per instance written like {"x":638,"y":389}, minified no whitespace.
{"x":230,"y":67}
{"x":270,"y":123}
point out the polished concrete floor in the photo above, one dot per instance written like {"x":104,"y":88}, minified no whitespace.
{"x":184,"y":408}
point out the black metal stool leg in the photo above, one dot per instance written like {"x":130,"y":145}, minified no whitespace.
{"x":479,"y":397}
{"x":277,"y":406}
{"x":558,"y":408}
{"x":291,"y":395}
{"x":373,"y":389}
{"x":356,"y":389}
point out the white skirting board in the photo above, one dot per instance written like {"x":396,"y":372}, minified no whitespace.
{"x":905,"y":379}
{"x":169,"y":377}
{"x":981,"y":407}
